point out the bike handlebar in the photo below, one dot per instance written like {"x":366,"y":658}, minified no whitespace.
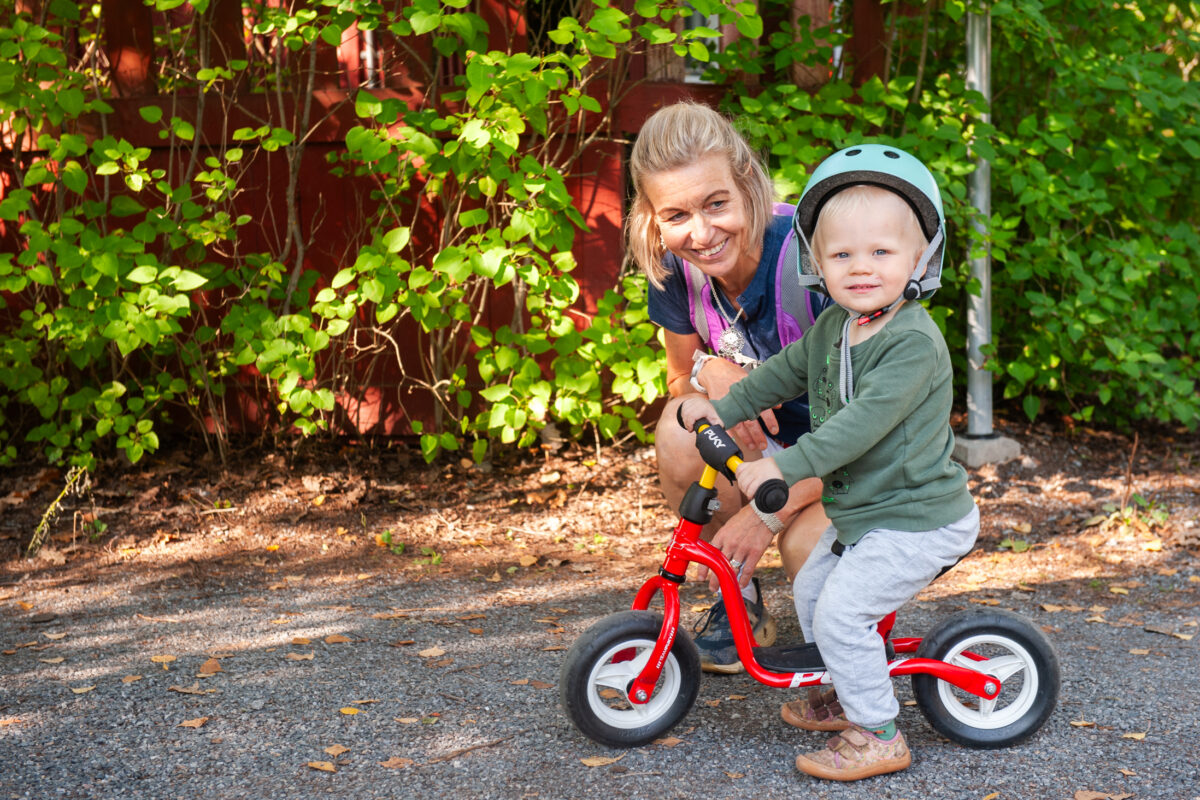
{"x":720,"y":451}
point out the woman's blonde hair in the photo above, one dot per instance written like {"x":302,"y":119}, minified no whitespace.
{"x":678,"y":136}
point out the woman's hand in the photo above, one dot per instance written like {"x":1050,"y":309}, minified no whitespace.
{"x":717,"y":376}
{"x":742,"y":539}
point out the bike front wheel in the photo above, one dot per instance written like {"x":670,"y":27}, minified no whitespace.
{"x":601,"y":666}
{"x":997,"y":643}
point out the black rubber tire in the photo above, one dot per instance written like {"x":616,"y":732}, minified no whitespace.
{"x":590,"y":668}
{"x":1031,"y":679}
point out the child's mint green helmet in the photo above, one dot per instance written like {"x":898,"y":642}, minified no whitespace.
{"x":889,"y":168}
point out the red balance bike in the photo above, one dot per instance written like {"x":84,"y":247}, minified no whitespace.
{"x":983,"y":678}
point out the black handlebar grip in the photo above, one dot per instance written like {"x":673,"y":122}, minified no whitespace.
{"x":771,"y":496}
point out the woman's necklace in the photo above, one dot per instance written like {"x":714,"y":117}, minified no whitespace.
{"x":731,"y":342}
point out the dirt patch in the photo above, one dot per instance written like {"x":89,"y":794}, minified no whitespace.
{"x":1053,"y":517}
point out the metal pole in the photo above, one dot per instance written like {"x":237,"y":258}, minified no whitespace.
{"x":369,"y":58}
{"x":979,"y":309}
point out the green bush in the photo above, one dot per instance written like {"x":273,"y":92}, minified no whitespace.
{"x":1094,"y":154}
{"x":128,"y":296}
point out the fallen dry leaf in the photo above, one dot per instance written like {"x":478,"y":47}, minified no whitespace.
{"x":82,"y":689}
{"x":336,"y":750}
{"x":1135,"y":736}
{"x":193,"y":689}
{"x":337,"y":638}
{"x":1118,"y":590}
{"x":1128,"y":773}
{"x":991,"y":796}
{"x":164,"y":660}
{"x":520,"y":682}
{"x":432,"y":652}
{"x":528,"y":560}
{"x":193,"y":723}
{"x":4,"y":723}
{"x":668,"y":741}
{"x":349,"y":711}
{"x":1079,"y":723}
{"x":475,"y":631}
{"x":396,"y":762}
{"x":600,"y":761}
{"x":131,"y":678}
{"x":58,"y":660}
{"x":323,"y":766}
{"x":300,"y":640}
{"x":1084,"y":794}
{"x":1138,"y":651}
{"x":299,"y":657}
{"x":1050,"y":608}
{"x":408,"y":720}
{"x":54,"y":637}
{"x":555,"y":647}
{"x":210,"y":667}
{"x":734,"y":775}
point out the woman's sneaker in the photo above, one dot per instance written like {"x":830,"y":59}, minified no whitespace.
{"x":854,"y":754}
{"x":714,"y":637}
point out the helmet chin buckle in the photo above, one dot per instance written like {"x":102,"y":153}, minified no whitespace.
{"x":912,"y":291}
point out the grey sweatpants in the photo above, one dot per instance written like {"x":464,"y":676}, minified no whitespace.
{"x":840,"y":600}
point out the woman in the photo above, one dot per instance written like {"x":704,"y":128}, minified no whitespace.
{"x":724,"y":287}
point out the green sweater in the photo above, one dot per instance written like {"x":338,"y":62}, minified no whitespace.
{"x":885,"y":457}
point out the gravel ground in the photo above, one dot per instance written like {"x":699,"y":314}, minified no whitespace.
{"x":451,"y":682}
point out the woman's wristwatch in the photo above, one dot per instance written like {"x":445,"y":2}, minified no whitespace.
{"x":699,"y":359}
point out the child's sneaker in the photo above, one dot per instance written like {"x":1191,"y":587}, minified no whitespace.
{"x":856,"y":753}
{"x":820,"y":711}
{"x":714,"y":638}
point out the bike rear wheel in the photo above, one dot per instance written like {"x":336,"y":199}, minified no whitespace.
{"x":1001,"y":644}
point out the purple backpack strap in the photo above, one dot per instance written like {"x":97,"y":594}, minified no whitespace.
{"x":707,"y":322}
{"x":793,"y":306}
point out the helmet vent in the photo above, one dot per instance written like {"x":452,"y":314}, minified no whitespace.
{"x":853,"y":152}
{"x":891,"y":154}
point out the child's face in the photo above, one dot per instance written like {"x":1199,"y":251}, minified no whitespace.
{"x":867,"y":258}
{"x":702,"y":217}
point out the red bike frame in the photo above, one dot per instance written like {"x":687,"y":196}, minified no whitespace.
{"x":687,"y":547}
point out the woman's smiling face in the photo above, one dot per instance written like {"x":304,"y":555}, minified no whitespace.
{"x":702,"y":218}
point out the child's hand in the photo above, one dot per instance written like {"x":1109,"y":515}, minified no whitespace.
{"x":694,"y":408}
{"x":753,"y":474}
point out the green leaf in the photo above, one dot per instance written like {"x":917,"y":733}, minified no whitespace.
{"x":74,"y":178}
{"x":187,"y":281}
{"x":151,"y":114}
{"x":142,"y":274}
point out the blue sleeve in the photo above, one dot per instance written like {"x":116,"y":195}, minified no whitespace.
{"x":668,"y":306}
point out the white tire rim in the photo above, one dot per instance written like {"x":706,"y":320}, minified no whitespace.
{"x":618,"y":676}
{"x":1007,"y":707}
